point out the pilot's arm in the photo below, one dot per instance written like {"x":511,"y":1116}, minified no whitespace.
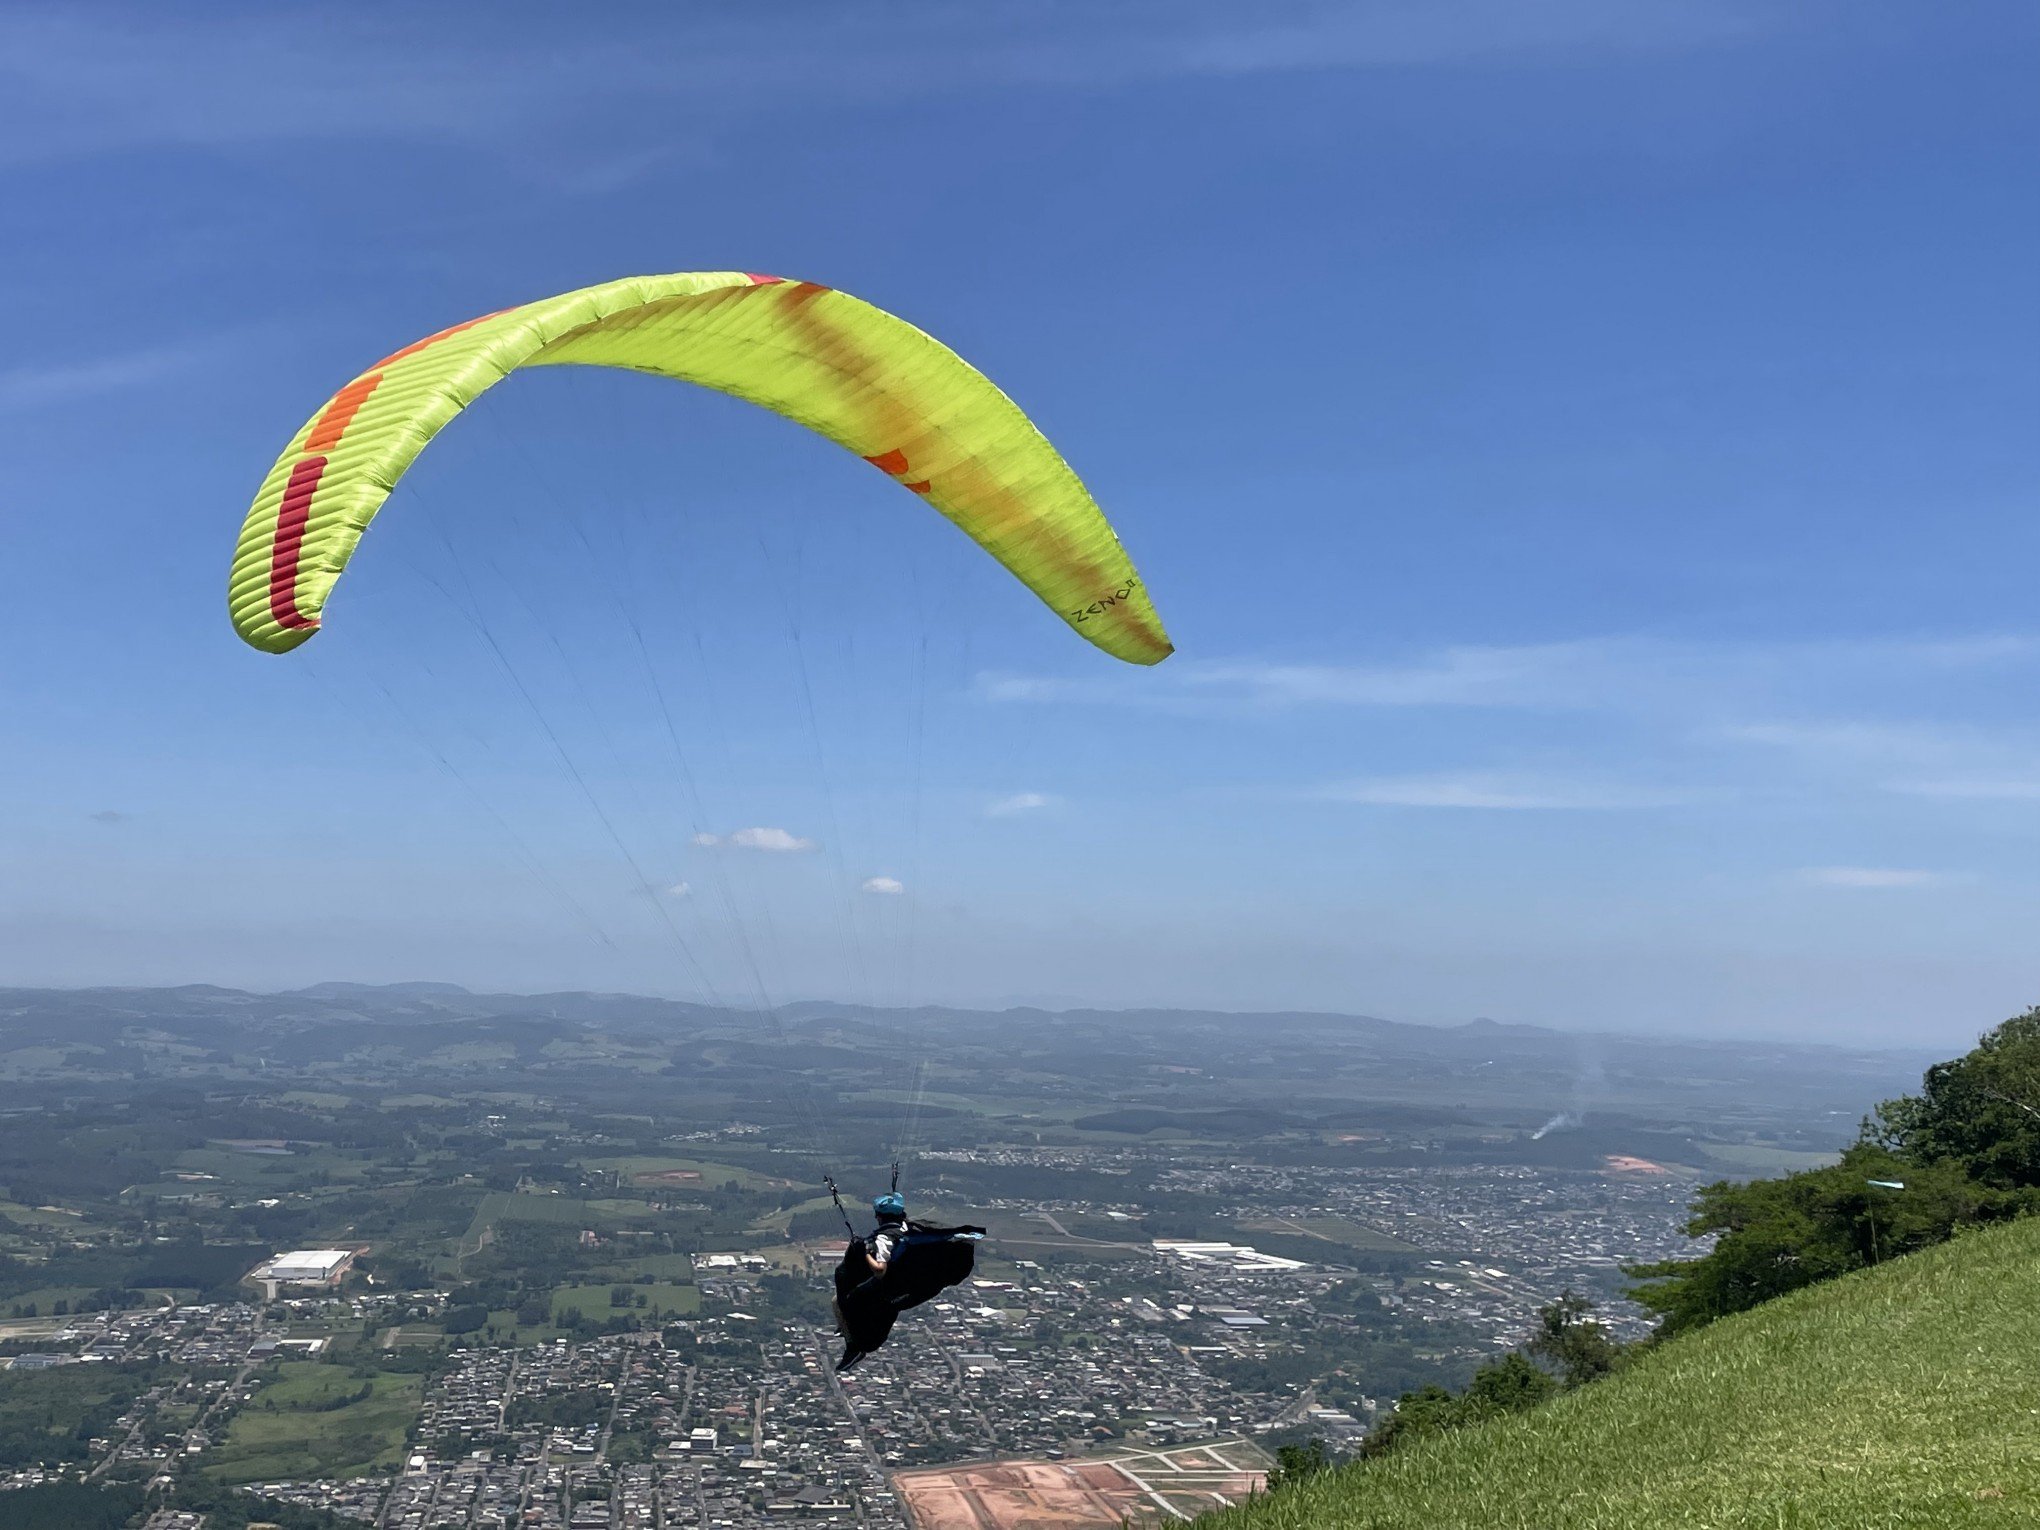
{"x":878,"y":1253}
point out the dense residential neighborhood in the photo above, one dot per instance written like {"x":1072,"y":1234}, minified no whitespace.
{"x":734,"y":1417}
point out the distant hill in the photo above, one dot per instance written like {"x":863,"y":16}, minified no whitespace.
{"x":1199,"y":1064}
{"x":1899,"y":1396}
{"x":385,"y":990}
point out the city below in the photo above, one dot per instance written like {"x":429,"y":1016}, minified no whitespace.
{"x":434,"y":1259}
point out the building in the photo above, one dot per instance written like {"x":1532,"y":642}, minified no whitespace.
{"x":302,"y":1267}
{"x":1242,"y":1259}
{"x":36,"y":1362}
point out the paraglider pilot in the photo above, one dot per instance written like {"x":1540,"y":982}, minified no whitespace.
{"x":901,"y":1264}
{"x":890,"y":1211}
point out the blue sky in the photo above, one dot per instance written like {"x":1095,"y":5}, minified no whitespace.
{"x":1584,"y":453}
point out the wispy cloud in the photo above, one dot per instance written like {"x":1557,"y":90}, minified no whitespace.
{"x":1496,"y":791}
{"x":1544,"y":675}
{"x":110,"y":816}
{"x":1873,"y":877}
{"x":2002,"y":789}
{"x":888,"y":885}
{"x":1947,"y":760}
{"x":1020,"y":802}
{"x":773,"y":841}
{"x":1723,"y":681}
{"x":29,"y":387}
{"x":1700,"y":720}
{"x":679,"y":891}
{"x":74,"y":81}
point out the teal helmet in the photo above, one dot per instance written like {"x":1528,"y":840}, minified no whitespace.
{"x":890,"y":1208}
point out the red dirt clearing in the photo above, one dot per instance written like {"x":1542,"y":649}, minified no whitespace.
{"x":1070,"y":1495}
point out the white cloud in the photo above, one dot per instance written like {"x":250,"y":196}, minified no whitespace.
{"x":1020,"y":802}
{"x":705,"y":840}
{"x":1872,"y":877}
{"x":658,"y":890}
{"x":1495,"y":791}
{"x":884,"y":885}
{"x":773,"y":841}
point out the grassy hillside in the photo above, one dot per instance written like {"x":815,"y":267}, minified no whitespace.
{"x":1906,"y":1395}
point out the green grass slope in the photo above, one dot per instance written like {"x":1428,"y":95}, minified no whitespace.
{"x":1906,"y":1395}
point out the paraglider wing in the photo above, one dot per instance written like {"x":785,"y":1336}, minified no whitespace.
{"x":929,"y":1260}
{"x":861,"y":377}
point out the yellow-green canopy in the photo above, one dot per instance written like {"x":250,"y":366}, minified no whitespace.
{"x":868,"y":381}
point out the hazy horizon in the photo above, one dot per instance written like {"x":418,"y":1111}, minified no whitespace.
{"x":1006,"y":1004}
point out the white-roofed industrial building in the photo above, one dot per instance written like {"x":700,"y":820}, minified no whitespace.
{"x":302,"y":1267}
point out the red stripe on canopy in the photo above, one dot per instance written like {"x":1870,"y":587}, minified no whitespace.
{"x":292,"y":513}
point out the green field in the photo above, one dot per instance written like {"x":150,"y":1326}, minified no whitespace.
{"x":778,"y":1221}
{"x":45,"y":1298}
{"x":712,"y":1174}
{"x":662,"y":1299}
{"x":674,"y":1267}
{"x":284,"y":1432}
{"x":27,"y":1062}
{"x":1340,"y":1230}
{"x":505,"y":1206}
{"x":1021,"y":1236}
{"x":234,"y":1167}
{"x":622,"y":1210}
{"x":41,"y":1216}
{"x":507,"y":1331}
{"x":1757,"y":1158}
{"x":1898,"y":1396}
{"x":316,"y":1098}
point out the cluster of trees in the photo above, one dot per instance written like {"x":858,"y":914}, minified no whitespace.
{"x":558,"y":1410}
{"x":332,"y":1404}
{"x":1963,"y":1151}
{"x":47,"y":1418}
{"x":1569,"y":1349}
{"x":105,"y":1299}
{"x":71,"y":1506}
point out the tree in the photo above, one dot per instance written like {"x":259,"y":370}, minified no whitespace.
{"x":1298,"y":1463}
{"x":1428,"y":1410}
{"x":1508,"y":1385}
{"x":1981,"y":1110}
{"x":1572,"y":1342}
{"x":1776,"y":1235}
